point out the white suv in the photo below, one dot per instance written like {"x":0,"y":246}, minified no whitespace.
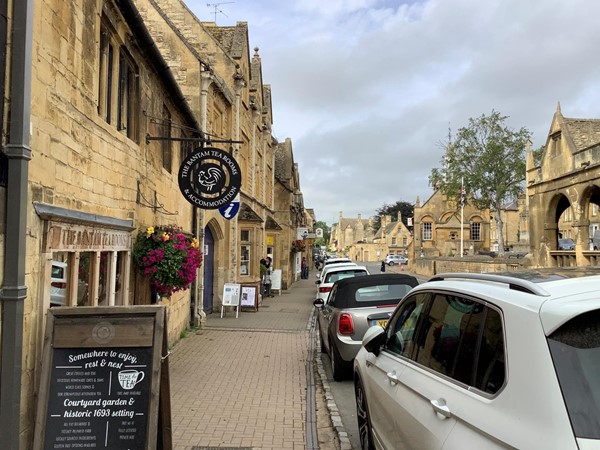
{"x":485,"y":361}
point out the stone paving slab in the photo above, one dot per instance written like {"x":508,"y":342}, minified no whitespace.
{"x":240,"y":383}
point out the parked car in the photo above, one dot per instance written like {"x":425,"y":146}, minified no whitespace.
{"x":58,"y":283}
{"x":485,"y":361}
{"x":335,"y":263}
{"x":337,"y":272}
{"x":390,"y":260}
{"x":354,"y":305}
{"x":566,"y":244}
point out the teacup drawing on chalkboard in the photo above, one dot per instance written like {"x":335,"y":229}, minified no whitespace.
{"x":129,"y":378}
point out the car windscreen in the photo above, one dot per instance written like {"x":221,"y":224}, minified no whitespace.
{"x":575,"y":349}
{"x":340,"y":275}
{"x":381,"y":294}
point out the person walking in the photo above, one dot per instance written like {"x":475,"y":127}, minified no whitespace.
{"x":383,"y":266}
{"x":304,"y":269}
{"x":263,"y":273}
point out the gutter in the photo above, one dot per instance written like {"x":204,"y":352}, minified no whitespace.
{"x":13,"y":291}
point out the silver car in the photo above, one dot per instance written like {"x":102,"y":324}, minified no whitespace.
{"x":354,"y":305}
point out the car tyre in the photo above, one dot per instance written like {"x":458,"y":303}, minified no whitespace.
{"x":391,"y":263}
{"x":338,"y":365}
{"x":362,"y":417}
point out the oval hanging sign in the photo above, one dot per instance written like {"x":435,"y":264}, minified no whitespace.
{"x":210,"y":178}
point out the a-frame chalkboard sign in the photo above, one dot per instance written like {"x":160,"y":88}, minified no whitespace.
{"x":105,"y":380}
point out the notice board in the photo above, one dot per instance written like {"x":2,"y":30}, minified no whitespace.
{"x":250,"y":297}
{"x":105,"y":381}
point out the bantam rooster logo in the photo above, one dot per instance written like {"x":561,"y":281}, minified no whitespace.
{"x":209,"y":178}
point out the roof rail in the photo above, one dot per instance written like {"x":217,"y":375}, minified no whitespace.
{"x":517,"y":284}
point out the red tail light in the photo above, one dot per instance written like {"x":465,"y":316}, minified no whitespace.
{"x":58,"y":285}
{"x":323,"y":290}
{"x":345,"y":324}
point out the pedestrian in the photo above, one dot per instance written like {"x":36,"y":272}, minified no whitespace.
{"x":303,"y":269}
{"x":383,"y":266}
{"x":263,"y":274}
{"x":267,"y":283}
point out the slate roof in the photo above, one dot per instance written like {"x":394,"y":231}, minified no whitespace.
{"x":584,"y":132}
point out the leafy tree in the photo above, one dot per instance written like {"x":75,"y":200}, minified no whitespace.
{"x":489,"y":158}
{"x":405,"y":209}
{"x":326,"y":231}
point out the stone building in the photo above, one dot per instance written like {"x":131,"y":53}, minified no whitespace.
{"x":439,"y":230}
{"x":510,"y":214}
{"x":225,"y":86}
{"x":563,"y":191}
{"x":289,"y":212}
{"x":348,"y":231}
{"x":96,"y":120}
{"x":395,"y":236}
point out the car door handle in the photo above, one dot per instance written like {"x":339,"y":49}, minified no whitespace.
{"x":391,"y":376}
{"x":440,"y":407}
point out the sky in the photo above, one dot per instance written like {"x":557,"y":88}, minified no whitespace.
{"x":369,"y":90}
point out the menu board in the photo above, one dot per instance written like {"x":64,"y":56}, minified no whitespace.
{"x":98,"y":398}
{"x":104,"y":381}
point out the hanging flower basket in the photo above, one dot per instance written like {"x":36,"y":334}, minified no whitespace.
{"x":168,"y":258}
{"x":298,"y":246}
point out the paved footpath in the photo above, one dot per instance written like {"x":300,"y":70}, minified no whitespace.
{"x":241,"y":383}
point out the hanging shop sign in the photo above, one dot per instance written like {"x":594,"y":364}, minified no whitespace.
{"x":210,"y":178}
{"x":230,"y":210}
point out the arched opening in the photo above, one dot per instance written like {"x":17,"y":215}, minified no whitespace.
{"x":591,"y":216}
{"x":212,"y":235}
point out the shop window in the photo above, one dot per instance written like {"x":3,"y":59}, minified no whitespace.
{"x":245,"y":253}
{"x":98,"y":274}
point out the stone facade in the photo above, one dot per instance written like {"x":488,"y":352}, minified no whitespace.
{"x":563,"y":191}
{"x":108,"y":86}
{"x":438,"y":228}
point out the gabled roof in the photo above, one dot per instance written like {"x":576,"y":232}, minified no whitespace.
{"x":271,"y":224}
{"x":248,"y":214}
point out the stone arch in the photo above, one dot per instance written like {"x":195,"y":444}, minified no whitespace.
{"x":215,"y":229}
{"x":589,"y":216}
{"x":557,"y":205}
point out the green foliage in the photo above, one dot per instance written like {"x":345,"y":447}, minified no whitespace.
{"x":405,"y":209}
{"x":489,"y":157}
{"x":168,"y":258}
{"x":326,"y":233}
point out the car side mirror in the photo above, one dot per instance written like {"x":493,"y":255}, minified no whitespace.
{"x":374,"y":339}
{"x":319,"y":303}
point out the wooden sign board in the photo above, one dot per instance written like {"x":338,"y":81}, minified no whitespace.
{"x":104,"y":382}
{"x":249,"y":297}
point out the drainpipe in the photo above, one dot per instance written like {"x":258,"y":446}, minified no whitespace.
{"x":14,"y":291}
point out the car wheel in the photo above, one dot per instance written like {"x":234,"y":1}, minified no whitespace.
{"x":362,"y":416}
{"x":338,"y":365}
{"x":391,"y":263}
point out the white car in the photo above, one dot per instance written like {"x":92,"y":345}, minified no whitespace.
{"x":337,"y":272}
{"x":390,"y":260}
{"x":483,"y":361}
{"x":58,"y":283}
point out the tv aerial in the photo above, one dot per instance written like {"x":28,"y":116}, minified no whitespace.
{"x":218,"y":10}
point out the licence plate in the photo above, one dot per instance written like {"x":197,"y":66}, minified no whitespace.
{"x":382,"y":323}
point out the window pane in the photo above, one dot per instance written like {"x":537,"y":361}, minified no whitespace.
{"x":490,"y":373}
{"x":575,"y":349}
{"x":244,"y":260}
{"x":427,"y":231}
{"x":403,"y":325}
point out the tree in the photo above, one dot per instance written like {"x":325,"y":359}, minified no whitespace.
{"x":405,"y":209}
{"x":326,"y":231}
{"x":489,"y":158}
